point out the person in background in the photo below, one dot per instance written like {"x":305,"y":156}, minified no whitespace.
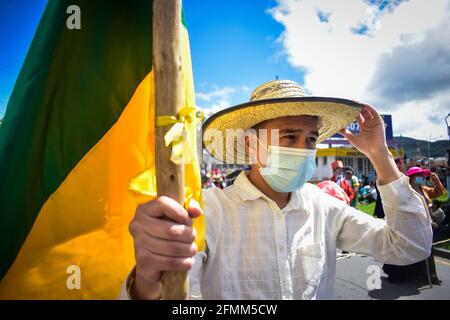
{"x":217,"y":179}
{"x":379,"y":211}
{"x":354,"y":183}
{"x":339,"y":178}
{"x":442,"y":174}
{"x":418,"y":182}
{"x":428,"y":266}
{"x":364,"y":181}
{"x":441,"y":217}
{"x":334,"y":190}
{"x":434,"y":188}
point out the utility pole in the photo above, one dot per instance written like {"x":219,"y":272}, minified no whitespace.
{"x":447,"y":122}
{"x":428,"y":146}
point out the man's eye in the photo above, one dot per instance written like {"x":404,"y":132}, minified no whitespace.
{"x":290,"y":137}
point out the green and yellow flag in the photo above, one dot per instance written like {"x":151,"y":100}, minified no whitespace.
{"x":77,"y":151}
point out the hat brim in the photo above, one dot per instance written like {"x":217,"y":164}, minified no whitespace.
{"x":334,"y":114}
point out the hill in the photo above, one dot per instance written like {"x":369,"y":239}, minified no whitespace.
{"x":419,"y":148}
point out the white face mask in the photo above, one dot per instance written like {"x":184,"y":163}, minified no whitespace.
{"x":288,"y":169}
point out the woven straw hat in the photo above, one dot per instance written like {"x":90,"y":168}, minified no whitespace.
{"x":274,"y":99}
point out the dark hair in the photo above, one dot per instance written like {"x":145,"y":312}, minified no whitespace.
{"x":349,"y":169}
{"x":437,"y":203}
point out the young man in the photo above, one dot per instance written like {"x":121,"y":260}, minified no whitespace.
{"x":271,"y":235}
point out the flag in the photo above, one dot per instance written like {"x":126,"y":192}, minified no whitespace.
{"x":77,"y":151}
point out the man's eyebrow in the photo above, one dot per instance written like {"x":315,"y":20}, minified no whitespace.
{"x":290,"y":130}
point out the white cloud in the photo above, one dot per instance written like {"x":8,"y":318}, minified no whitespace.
{"x":342,"y":63}
{"x":217,"y":93}
{"x":214,"y":98}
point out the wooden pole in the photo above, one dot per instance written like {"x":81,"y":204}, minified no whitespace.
{"x":168,"y":95}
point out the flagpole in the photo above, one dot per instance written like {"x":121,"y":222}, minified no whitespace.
{"x":168,"y":96}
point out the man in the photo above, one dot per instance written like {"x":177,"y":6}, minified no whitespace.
{"x":271,"y":235}
{"x":353,"y":180}
{"x":339,"y":178}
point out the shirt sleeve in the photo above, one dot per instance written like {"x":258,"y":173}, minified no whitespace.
{"x":124,"y":293}
{"x":404,"y":237}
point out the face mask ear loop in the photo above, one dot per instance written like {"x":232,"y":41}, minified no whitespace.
{"x":260,"y":143}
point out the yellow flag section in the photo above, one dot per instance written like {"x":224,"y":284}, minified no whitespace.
{"x":79,"y":246}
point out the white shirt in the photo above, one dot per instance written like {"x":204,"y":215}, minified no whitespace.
{"x":257,"y":251}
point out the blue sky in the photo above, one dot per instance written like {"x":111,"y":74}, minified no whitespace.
{"x":233,"y":45}
{"x":368,"y":50}
{"x":18,"y":21}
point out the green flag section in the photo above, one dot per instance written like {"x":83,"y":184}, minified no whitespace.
{"x":76,"y":151}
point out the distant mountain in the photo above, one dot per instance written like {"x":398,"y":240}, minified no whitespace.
{"x":419,"y":148}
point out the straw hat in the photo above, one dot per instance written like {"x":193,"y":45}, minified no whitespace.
{"x":274,"y":99}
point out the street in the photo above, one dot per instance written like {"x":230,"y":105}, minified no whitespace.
{"x":352,"y":275}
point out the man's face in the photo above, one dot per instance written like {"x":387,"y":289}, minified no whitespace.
{"x":348,"y":175}
{"x":338,"y":171}
{"x":293,"y":132}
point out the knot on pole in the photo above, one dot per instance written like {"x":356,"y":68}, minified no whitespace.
{"x":187,"y":116}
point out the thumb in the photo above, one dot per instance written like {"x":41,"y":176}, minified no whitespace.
{"x":194,"y":209}
{"x":347,"y":134}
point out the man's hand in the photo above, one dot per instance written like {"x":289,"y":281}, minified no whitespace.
{"x":163,"y":241}
{"x":371,"y":141}
{"x":371,"y":138}
{"x":434,"y":176}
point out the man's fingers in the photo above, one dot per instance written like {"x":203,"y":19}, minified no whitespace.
{"x":347,"y":134}
{"x":372,"y":111}
{"x":366,"y":113}
{"x":352,"y":138}
{"x":147,"y":258}
{"x":168,"y":248}
{"x":168,"y":230}
{"x":165,"y":207}
{"x":360,"y":119}
{"x":194,"y":209}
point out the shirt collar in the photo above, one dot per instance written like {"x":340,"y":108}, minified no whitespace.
{"x":248,"y":191}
